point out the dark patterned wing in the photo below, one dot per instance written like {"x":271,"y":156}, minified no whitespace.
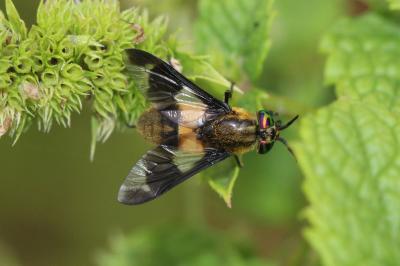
{"x":161,"y":169}
{"x":176,"y":97}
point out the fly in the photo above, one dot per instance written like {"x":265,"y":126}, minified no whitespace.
{"x":192,"y":129}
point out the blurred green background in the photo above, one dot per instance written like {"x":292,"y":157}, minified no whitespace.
{"x":58,"y":208}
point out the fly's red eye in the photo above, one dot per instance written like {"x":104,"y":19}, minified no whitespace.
{"x":263,"y":120}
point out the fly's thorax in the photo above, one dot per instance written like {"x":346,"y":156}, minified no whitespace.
{"x":234,"y":132}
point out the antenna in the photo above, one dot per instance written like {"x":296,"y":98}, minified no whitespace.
{"x":288,"y":123}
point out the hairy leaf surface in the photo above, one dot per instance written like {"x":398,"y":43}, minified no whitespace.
{"x":239,"y":31}
{"x":363,"y":60}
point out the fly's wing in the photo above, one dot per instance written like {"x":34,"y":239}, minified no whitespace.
{"x":185,"y":105}
{"x":161,"y":169}
{"x":171,"y":93}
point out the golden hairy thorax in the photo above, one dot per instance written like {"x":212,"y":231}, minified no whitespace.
{"x":234,"y":132}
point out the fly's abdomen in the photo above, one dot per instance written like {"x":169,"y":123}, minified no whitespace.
{"x":157,"y":129}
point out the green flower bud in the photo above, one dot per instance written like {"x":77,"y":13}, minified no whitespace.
{"x":76,"y":103}
{"x":36,"y":32}
{"x":93,"y":61}
{"x":118,"y":82}
{"x":5,"y":81}
{"x":102,"y":107}
{"x":57,"y":33}
{"x":82,"y":42}
{"x":72,"y":72}
{"x":13,"y":78}
{"x":9,"y":50}
{"x":100,"y":79}
{"x":53,"y":61}
{"x":27,"y":47}
{"x":15,"y":100}
{"x":120,"y":104}
{"x":5,"y":64}
{"x":107,"y":47}
{"x":69,"y":67}
{"x":112,"y":33}
{"x":83,"y":86}
{"x":65,"y":87}
{"x":113,"y":63}
{"x":57,"y":105}
{"x":38,"y":64}
{"x":23,"y":64}
{"x":48,"y":46}
{"x":50,"y":77}
{"x":65,"y":48}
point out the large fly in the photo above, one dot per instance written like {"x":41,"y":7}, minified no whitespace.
{"x":192,"y":129}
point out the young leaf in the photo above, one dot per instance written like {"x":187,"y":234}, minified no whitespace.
{"x":363,"y":60}
{"x":350,"y":155}
{"x":238,"y":30}
{"x":222,"y":178}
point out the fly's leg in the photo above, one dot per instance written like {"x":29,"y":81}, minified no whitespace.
{"x":284,"y":142}
{"x":229,"y":93}
{"x":238,"y":161}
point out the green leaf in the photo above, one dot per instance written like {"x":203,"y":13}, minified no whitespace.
{"x":222,"y":178}
{"x":349,"y":151}
{"x":363,"y":60}
{"x":200,"y":71}
{"x":253,"y":100}
{"x":350,"y":155}
{"x":238,"y":31}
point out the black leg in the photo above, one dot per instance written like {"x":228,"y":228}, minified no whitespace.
{"x":229,"y":93}
{"x":284,"y":142}
{"x":238,"y":161}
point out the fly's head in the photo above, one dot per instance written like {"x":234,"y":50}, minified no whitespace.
{"x":268,"y":130}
